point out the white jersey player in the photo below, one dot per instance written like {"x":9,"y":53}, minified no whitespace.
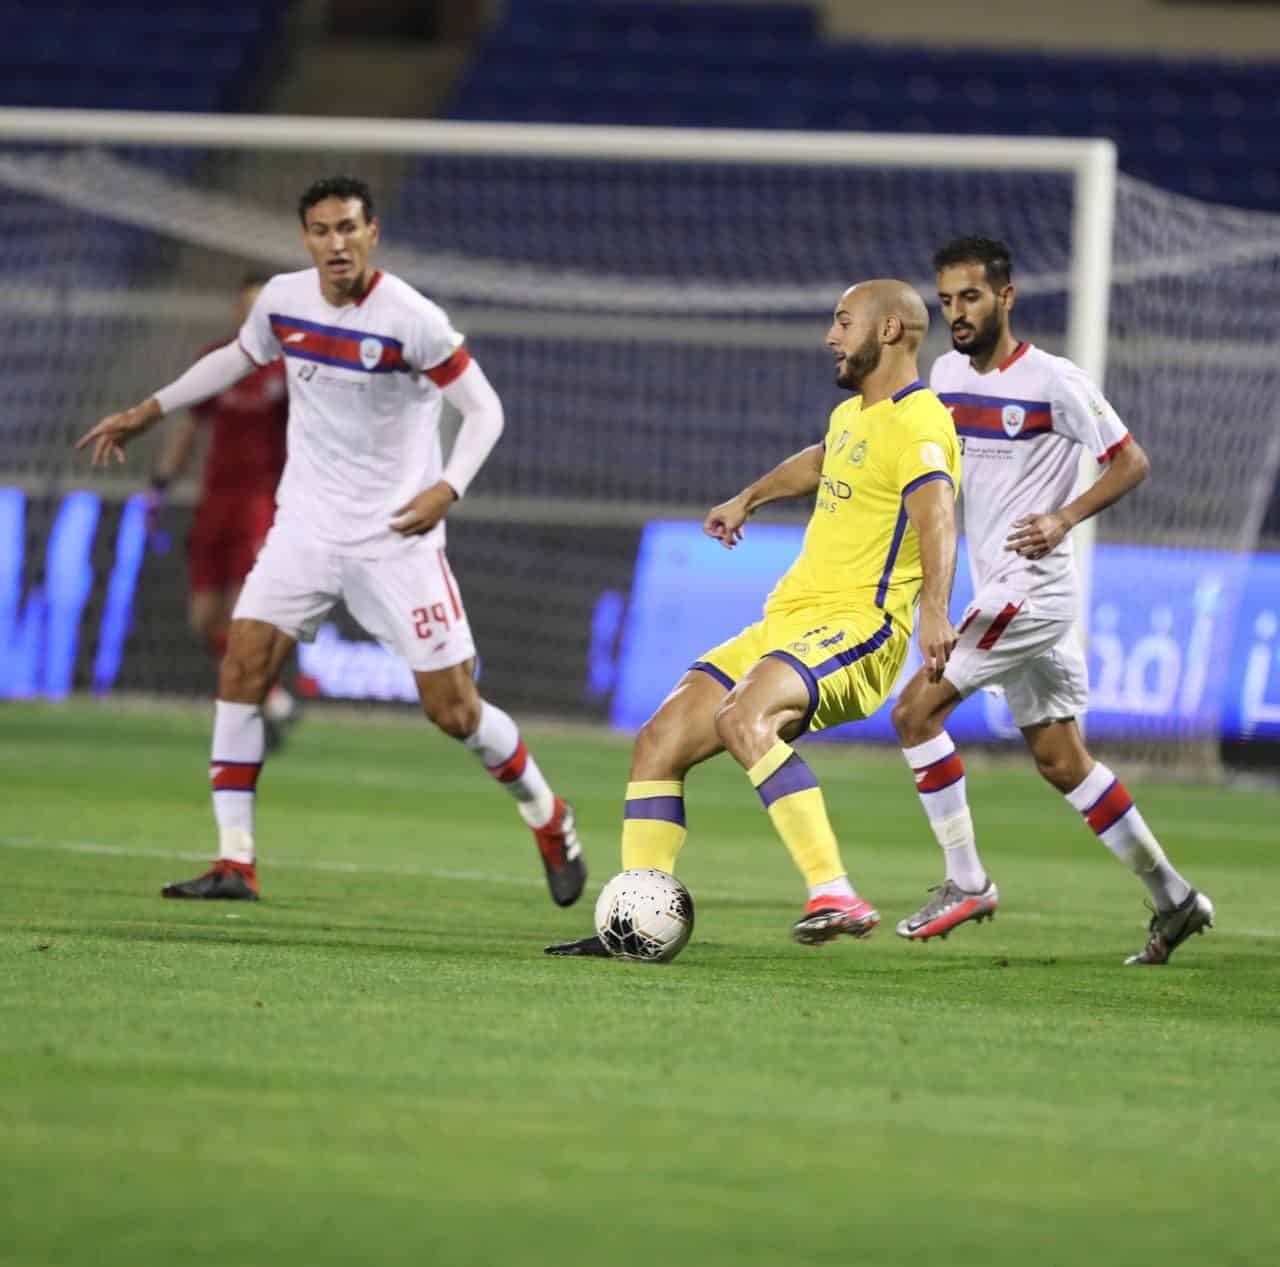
{"x":1023,"y":417}
{"x":361,"y":510}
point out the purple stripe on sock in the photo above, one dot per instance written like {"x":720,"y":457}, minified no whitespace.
{"x":667,"y":809}
{"x":790,"y":777}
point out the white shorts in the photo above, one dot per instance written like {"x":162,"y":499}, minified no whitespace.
{"x":1037,"y":662}
{"x":408,"y":601}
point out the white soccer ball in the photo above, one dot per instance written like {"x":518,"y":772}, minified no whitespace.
{"x":644,"y":914}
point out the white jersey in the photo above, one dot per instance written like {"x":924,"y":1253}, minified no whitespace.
{"x":1019,"y":425}
{"x":364,"y":404}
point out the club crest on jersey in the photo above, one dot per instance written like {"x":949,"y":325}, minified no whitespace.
{"x":858,"y":454}
{"x":1011,"y":418}
{"x":370,"y":353}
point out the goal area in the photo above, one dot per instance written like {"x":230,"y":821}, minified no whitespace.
{"x":651,"y":305}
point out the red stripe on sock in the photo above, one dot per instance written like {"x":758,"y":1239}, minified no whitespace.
{"x":998,"y":626}
{"x":240,"y":776}
{"x":511,"y":769}
{"x":933,"y":778}
{"x":1106,"y":812}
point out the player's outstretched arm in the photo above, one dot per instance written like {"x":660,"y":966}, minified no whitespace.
{"x":931,"y":508}
{"x":1033,"y":536}
{"x":209,"y":376}
{"x":795,"y":477}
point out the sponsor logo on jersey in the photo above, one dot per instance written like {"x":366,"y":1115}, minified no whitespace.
{"x":370,"y":353}
{"x":837,"y":488}
{"x":1011,"y":418}
{"x":296,"y":337}
{"x":841,"y":442}
{"x":800,"y":648}
{"x":932,"y":456}
{"x":858,"y":454}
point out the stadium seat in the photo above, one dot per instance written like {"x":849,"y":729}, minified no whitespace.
{"x":1196,"y":126}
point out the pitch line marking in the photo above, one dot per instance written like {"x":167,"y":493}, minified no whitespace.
{"x":97,"y":849}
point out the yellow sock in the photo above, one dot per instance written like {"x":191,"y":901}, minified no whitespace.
{"x":794,"y":800}
{"x":653,"y":824}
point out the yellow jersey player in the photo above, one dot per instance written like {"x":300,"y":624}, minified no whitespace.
{"x":837,"y":626}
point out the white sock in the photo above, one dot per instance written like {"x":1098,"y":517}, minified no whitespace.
{"x":1105,"y":804}
{"x":940,"y":781}
{"x":497,"y":743}
{"x":234,"y":763}
{"x":839,"y":887}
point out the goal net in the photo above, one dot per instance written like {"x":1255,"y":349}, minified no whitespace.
{"x":651,"y":306}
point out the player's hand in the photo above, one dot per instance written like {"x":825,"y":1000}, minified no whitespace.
{"x":1033,"y":536}
{"x":726,"y":521}
{"x":424,"y":511}
{"x":116,"y":430}
{"x":937,"y":637}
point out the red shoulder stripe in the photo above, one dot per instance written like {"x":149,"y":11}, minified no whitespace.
{"x":451,"y":368}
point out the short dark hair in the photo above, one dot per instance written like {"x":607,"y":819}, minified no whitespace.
{"x":253,"y":280}
{"x":991,"y":253}
{"x":336,"y":187}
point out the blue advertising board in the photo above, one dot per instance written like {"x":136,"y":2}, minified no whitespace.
{"x":1182,"y":642}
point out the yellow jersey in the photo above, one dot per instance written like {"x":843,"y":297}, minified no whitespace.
{"x":860,"y":549}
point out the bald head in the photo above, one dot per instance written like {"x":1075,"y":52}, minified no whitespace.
{"x":877,"y":323}
{"x":885,"y":297}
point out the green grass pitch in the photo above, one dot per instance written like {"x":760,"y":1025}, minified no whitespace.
{"x":377,"y":1065}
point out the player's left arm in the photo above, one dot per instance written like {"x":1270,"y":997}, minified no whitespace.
{"x":464,"y":385}
{"x":1083,"y":414}
{"x":931,"y":509}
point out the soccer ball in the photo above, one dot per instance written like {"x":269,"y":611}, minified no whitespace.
{"x":644,"y":914}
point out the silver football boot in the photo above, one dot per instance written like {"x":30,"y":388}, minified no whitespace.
{"x":1169,"y":929}
{"x":948,"y":907}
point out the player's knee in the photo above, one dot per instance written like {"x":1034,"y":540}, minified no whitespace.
{"x":1059,"y":771}
{"x":457,"y":715}
{"x":244,"y":676}
{"x":738,"y":728}
{"x":659,"y":751}
{"x":907,"y":721}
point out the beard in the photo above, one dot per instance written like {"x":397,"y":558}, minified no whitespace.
{"x":862,"y":361}
{"x":985,"y":337}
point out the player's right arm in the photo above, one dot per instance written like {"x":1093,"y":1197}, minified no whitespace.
{"x":210,"y":376}
{"x":1083,"y":414}
{"x":796,"y":477}
{"x":930,"y":508}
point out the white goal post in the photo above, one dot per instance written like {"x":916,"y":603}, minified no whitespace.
{"x":1089,"y":163}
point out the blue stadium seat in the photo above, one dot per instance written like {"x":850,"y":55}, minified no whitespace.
{"x":1196,"y":126}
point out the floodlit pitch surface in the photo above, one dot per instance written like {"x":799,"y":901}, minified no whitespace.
{"x":376,"y":1064}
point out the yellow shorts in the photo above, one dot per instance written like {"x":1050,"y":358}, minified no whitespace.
{"x":848,"y":660}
